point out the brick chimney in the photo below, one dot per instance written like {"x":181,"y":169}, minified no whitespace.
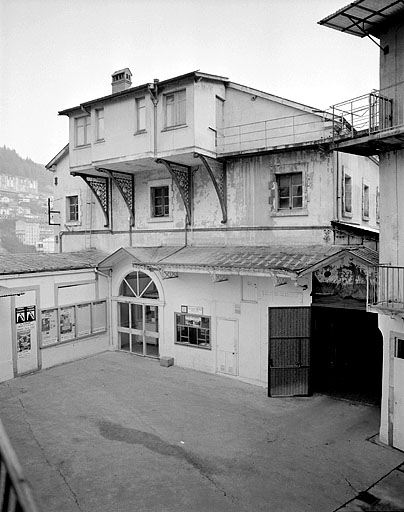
{"x":121,"y":80}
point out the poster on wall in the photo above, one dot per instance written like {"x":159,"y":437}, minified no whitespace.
{"x":49,"y":331}
{"x":83,"y":319}
{"x":24,"y":341}
{"x":99,"y":316}
{"x":67,"y":323}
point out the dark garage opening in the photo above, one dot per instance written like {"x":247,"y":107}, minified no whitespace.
{"x":347,"y":354}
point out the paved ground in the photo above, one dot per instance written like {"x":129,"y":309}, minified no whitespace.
{"x":119,"y":433}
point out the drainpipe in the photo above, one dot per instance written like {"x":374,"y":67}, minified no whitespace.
{"x":153,"y":91}
{"x":130,"y":232}
{"x":109,"y":278}
{"x":85,"y":110}
{"x":338,"y":205}
{"x":61,"y":233}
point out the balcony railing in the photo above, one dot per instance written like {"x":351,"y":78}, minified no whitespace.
{"x":15,"y":495}
{"x":275,"y":133}
{"x":386,"y":289}
{"x":363,"y":115}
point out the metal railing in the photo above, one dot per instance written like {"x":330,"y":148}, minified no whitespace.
{"x":386,"y":289}
{"x":15,"y":494}
{"x":363,"y":115}
{"x":273,"y":133}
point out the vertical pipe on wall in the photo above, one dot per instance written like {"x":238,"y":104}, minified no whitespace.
{"x":109,"y":280}
{"x":338,"y":187}
{"x":153,"y":91}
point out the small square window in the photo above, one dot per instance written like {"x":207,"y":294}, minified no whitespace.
{"x":160,"y":203}
{"x":193,"y":330}
{"x":399,"y":348}
{"x":290,"y":191}
{"x":72,"y":208}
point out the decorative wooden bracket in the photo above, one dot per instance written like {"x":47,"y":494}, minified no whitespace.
{"x":100,"y":188}
{"x":182,"y":175}
{"x":217,"y":173}
{"x":124,"y":182}
{"x":279,"y":281}
{"x":218,"y":278}
{"x":166,"y":274}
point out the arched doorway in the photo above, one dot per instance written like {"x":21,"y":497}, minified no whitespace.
{"x":138,"y":315}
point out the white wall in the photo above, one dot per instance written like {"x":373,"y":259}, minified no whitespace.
{"x":48,"y":290}
{"x":218,"y":300}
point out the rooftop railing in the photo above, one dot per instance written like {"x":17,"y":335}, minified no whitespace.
{"x":15,"y":494}
{"x":363,"y":115}
{"x":274,"y":133}
{"x":386,"y":289}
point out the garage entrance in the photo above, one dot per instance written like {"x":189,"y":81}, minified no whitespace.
{"x":347,"y":352}
{"x":347,"y":346}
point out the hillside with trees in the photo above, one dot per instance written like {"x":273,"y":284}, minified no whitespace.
{"x":23,"y":203}
{"x":13,"y":165}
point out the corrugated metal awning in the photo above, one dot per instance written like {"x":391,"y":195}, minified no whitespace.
{"x":364,"y":17}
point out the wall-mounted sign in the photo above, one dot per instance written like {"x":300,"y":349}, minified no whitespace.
{"x":24,"y":341}
{"x":192,"y":310}
{"x":49,"y":328}
{"x":25,"y":314}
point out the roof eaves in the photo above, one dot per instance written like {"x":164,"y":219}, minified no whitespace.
{"x":58,"y":157}
{"x":130,"y":90}
{"x":119,"y":94}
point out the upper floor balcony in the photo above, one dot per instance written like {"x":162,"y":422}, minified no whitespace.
{"x":367,"y":125}
{"x":386,"y":290}
{"x":306,"y":129}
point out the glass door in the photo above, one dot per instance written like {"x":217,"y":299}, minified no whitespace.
{"x":138,"y":330}
{"x":151,"y":331}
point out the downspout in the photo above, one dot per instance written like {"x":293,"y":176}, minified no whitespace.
{"x":61,"y":233}
{"x":130,"y":232}
{"x":337,"y":216}
{"x":109,"y":278}
{"x":83,"y":108}
{"x":153,"y":91}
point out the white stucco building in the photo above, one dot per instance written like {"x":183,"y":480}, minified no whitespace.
{"x":383,"y":134}
{"x":234,"y":239}
{"x":217,"y":203}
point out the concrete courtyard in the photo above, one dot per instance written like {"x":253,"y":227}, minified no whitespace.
{"x":119,"y":433}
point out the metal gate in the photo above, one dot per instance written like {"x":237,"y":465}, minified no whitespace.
{"x":289,"y":351}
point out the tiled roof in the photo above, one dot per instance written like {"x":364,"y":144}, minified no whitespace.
{"x":369,"y":255}
{"x":288,"y":258}
{"x":292,"y":259}
{"x":45,"y":262}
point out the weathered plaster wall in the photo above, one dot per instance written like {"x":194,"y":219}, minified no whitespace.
{"x":223,"y":300}
{"x":392,"y":70}
{"x":392,"y":208}
{"x":363,"y":171}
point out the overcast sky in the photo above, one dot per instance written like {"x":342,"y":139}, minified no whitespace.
{"x":57,"y":54}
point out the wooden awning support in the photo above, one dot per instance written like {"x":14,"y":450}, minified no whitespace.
{"x":100,"y":188}
{"x":217,"y":173}
{"x":125,"y":183}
